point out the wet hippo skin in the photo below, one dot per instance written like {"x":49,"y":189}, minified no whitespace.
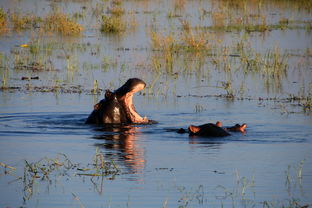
{"x":117,"y":107}
{"x":214,"y":130}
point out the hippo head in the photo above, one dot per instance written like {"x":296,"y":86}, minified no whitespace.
{"x":124,"y":96}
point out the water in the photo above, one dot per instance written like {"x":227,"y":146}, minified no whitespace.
{"x":157,"y":166}
{"x":44,"y":119}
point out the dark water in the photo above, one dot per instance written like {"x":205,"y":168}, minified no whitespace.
{"x":158,"y":167}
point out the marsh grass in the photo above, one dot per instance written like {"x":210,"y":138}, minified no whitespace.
{"x":117,"y":11}
{"x":23,"y":22}
{"x":56,"y":22}
{"x":3,"y":22}
{"x":273,"y":63}
{"x":191,"y":41}
{"x":186,"y":26}
{"x":251,"y":16}
{"x":33,"y":56}
{"x":197,"y":40}
{"x":112,"y":24}
{"x":62,"y":24}
{"x":45,"y":169}
{"x":4,"y":70}
{"x":116,"y":21}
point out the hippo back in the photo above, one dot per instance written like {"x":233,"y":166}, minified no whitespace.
{"x":211,"y":130}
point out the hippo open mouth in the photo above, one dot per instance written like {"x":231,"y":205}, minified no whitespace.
{"x":125,"y":97}
{"x":117,"y":107}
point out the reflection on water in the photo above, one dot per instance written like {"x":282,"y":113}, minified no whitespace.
{"x":153,"y":159}
{"x":121,"y":144}
{"x":245,"y":62}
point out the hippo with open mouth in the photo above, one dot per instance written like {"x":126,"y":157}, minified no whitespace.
{"x":117,"y":107}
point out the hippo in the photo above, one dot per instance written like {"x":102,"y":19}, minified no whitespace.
{"x":213,"y":130}
{"x":117,"y":107}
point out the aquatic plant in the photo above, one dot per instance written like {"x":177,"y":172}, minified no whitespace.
{"x":197,"y":41}
{"x":34,"y":56}
{"x":250,"y":16}
{"x":199,"y":108}
{"x":112,"y":24}
{"x":62,"y":24}
{"x":54,"y":22}
{"x":3,"y":22}
{"x":228,"y":87}
{"x":179,"y":4}
{"x":185,"y":25}
{"x":24,"y":22}
{"x":117,"y":2}
{"x":117,"y":11}
{"x":45,"y":168}
{"x":4,"y":70}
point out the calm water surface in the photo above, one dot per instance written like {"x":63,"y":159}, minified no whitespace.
{"x":158,"y":166}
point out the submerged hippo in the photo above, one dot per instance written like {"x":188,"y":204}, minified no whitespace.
{"x":117,"y":107}
{"x":213,"y":130}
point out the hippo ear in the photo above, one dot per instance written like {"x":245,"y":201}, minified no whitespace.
{"x":108,"y":94}
{"x":97,"y":106}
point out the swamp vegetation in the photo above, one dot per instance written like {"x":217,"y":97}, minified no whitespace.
{"x":180,"y":42}
{"x":238,"y":51}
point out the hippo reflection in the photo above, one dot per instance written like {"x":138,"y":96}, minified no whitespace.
{"x":122,"y":144}
{"x":117,"y":107}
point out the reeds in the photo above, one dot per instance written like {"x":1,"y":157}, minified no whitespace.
{"x":23,"y":22}
{"x":112,"y":24}
{"x":3,"y":22}
{"x":117,"y":11}
{"x":115,"y":22}
{"x":61,"y":166}
{"x":62,"y":24}
{"x":193,"y":41}
{"x":56,"y":22}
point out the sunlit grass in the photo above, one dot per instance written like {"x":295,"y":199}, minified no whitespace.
{"x":60,"y":166}
{"x":117,"y":11}
{"x":251,"y":16}
{"x":56,"y":22}
{"x":112,"y":24}
{"x":23,"y":22}
{"x":61,"y":23}
{"x":3,"y":22}
{"x":197,"y":40}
